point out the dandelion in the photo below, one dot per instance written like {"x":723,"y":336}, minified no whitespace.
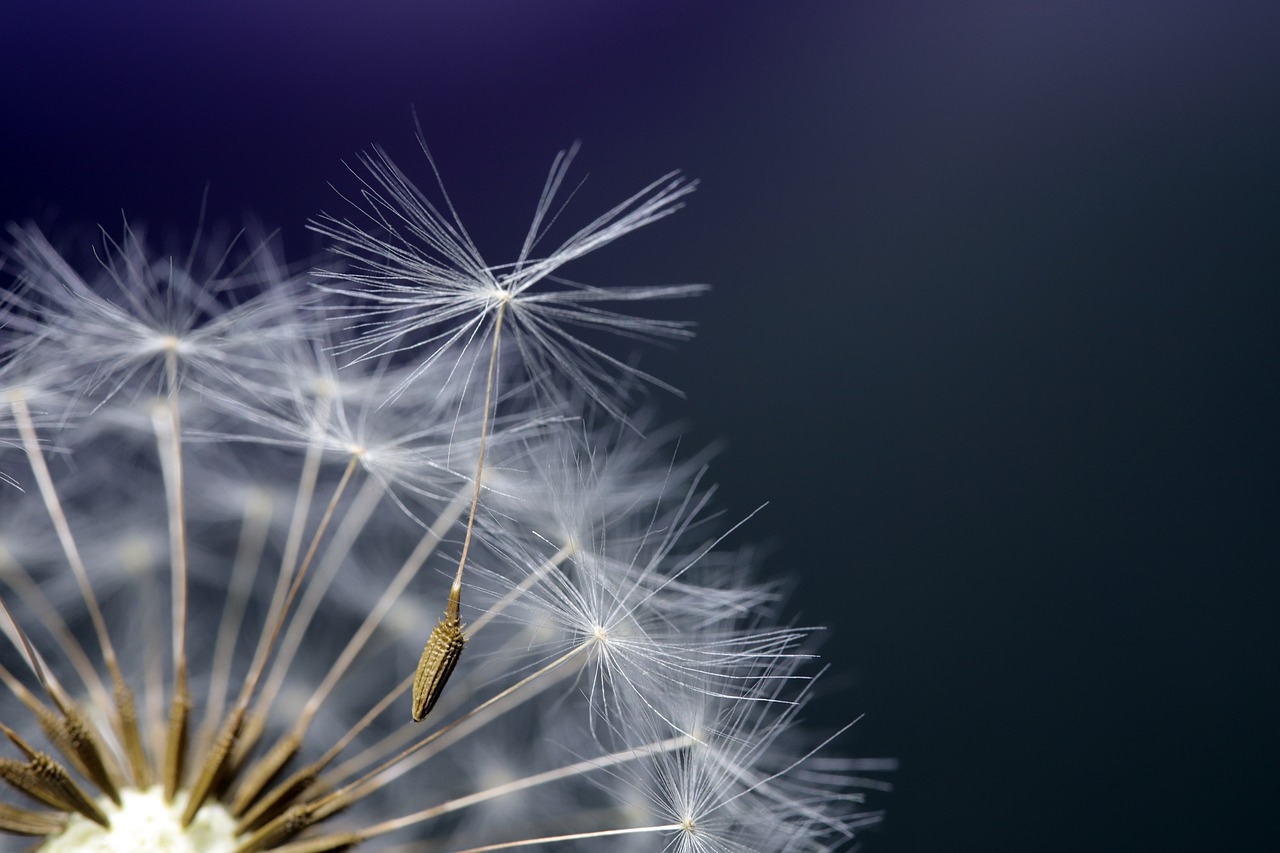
{"x":236,"y":497}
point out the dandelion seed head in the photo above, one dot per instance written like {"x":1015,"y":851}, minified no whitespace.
{"x":235,"y":508}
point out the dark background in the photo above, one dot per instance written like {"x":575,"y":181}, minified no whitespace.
{"x":993,"y":327}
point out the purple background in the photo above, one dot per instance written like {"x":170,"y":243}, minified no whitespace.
{"x":994,"y":326}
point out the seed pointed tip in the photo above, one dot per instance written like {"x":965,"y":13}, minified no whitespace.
{"x":17,"y":741}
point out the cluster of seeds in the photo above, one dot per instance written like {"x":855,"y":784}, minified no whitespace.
{"x":237,"y":497}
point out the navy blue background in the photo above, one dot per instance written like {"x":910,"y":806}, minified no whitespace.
{"x":993,"y":327}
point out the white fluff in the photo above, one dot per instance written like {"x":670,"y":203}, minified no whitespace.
{"x":183,"y":434}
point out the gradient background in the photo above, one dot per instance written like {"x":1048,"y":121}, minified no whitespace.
{"x":994,"y":326}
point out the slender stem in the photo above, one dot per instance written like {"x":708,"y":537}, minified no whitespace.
{"x":291,"y":788}
{"x":343,"y":742}
{"x":576,"y":836}
{"x":521,"y":588}
{"x":24,"y":643}
{"x":369,"y":783}
{"x":400,"y":736}
{"x":455,"y":591}
{"x":125,"y":719}
{"x":353,"y":522}
{"x":169,"y":439}
{"x":151,"y":611}
{"x":301,"y":509}
{"x":81,"y":742}
{"x":35,"y":456}
{"x":444,"y":645}
{"x":231,"y":728}
{"x":255,"y":673}
{"x":466,"y":725}
{"x":517,"y":785}
{"x":253,"y":539}
{"x":21,"y":582}
{"x":174,"y":488}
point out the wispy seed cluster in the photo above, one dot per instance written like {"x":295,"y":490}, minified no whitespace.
{"x":381,"y":554}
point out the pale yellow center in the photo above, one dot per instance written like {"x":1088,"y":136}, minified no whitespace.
{"x":145,"y":823}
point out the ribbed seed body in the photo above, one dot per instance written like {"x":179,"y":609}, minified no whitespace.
{"x":439,"y":657}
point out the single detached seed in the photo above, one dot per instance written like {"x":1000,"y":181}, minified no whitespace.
{"x":439,"y":657}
